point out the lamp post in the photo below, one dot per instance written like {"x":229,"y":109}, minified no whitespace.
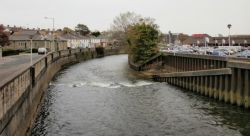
{"x":53,"y":21}
{"x":1,"y":52}
{"x":45,"y":44}
{"x":169,"y":37}
{"x":56,"y":43}
{"x":31,"y":46}
{"x":229,"y":36}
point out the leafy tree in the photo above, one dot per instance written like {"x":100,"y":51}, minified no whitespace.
{"x":96,"y":33}
{"x":59,"y":30}
{"x":67,"y":30}
{"x":121,"y":24}
{"x":82,"y":29}
{"x":142,"y":39}
{"x":4,"y":37}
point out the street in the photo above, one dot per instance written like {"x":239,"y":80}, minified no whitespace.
{"x":13,"y":64}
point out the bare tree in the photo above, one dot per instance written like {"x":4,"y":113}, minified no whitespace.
{"x":4,"y":36}
{"x":124,"y":20}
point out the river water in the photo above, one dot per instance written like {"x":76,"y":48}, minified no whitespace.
{"x":103,"y":97}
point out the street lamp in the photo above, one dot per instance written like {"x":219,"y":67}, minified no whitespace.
{"x":169,"y":37}
{"x":45,"y":44}
{"x":31,"y":43}
{"x":229,"y":37}
{"x":53,"y":20}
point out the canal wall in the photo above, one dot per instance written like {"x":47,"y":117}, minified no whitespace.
{"x":21,"y":94}
{"x":222,"y":78}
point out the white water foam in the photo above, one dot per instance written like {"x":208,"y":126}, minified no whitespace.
{"x":77,"y":84}
{"x":99,"y":84}
{"x":107,"y":85}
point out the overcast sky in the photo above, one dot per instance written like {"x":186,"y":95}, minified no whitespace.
{"x":188,"y":16}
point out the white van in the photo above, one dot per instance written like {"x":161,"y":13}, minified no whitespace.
{"x":42,"y":51}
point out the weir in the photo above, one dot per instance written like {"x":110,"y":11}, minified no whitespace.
{"x":222,"y":78}
{"x":21,"y":94}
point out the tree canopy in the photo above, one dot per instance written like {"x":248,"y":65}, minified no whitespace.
{"x":82,"y":29}
{"x":124,"y":20}
{"x":142,"y":39}
{"x":4,"y":37}
{"x":96,"y":33}
{"x":67,"y":30}
{"x":121,"y":23}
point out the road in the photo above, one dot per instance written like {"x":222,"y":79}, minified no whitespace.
{"x":13,"y":64}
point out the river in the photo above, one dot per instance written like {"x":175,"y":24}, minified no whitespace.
{"x":103,"y":97}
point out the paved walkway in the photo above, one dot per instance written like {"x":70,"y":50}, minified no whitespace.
{"x":13,"y":64}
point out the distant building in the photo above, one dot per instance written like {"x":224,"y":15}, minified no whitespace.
{"x":75,"y":40}
{"x":236,"y":40}
{"x":205,"y":39}
{"x":171,"y":38}
{"x":21,"y":40}
{"x":198,"y":40}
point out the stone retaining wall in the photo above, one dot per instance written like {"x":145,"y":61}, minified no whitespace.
{"x":21,"y":95}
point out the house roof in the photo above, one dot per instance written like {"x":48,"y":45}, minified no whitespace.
{"x":25,"y":35}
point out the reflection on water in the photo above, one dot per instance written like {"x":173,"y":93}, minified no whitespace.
{"x":104,"y":97}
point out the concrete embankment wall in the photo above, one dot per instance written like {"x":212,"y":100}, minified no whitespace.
{"x":21,"y":94}
{"x":221,"y":78}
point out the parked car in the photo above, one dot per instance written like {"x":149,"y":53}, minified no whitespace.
{"x":243,"y":54}
{"x":42,"y":50}
{"x":218,"y":53}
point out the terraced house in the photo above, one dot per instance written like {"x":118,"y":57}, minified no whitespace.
{"x":75,"y":40}
{"x":21,"y":40}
